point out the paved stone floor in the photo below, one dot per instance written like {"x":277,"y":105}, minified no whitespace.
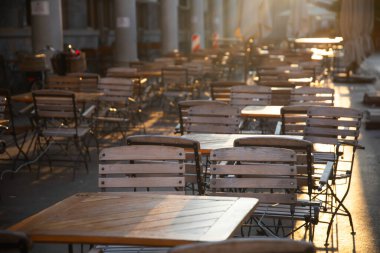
{"x":24,"y":194}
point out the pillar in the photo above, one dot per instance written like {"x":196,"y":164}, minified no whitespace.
{"x":217,"y":17}
{"x":197,"y":20}
{"x":46,"y":24}
{"x":232,"y":17}
{"x":125,"y":31}
{"x":169,"y":25}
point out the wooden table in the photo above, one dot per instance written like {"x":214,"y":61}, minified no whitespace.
{"x":209,"y":142}
{"x":138,"y":219}
{"x":268,"y":111}
{"x":81,"y":97}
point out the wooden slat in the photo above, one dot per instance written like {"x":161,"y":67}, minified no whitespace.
{"x":142,"y":182}
{"x":262,"y":183}
{"x":252,"y":154}
{"x":141,"y":152}
{"x":253,"y":169}
{"x":109,"y":169}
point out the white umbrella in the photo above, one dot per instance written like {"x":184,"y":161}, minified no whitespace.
{"x":356,"y":24}
{"x":299,"y":19}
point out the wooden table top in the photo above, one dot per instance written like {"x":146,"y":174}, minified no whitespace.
{"x":137,"y":219}
{"x":209,"y":142}
{"x":268,"y":111}
{"x":79,"y":96}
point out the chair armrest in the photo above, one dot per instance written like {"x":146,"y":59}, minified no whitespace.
{"x":325,"y":175}
{"x":89,"y":111}
{"x":351,"y":143}
{"x":277,"y":131}
{"x":306,"y":202}
{"x":177,"y":129}
{"x":27,"y":109}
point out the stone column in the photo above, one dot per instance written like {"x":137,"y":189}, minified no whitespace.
{"x":232,"y":17}
{"x":197,"y":20}
{"x":125,"y":31}
{"x":217,"y":17}
{"x":169,"y":25}
{"x":46,"y":24}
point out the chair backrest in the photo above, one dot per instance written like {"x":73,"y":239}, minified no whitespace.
{"x":266,"y":173}
{"x":55,"y":104}
{"x":175,"y":78}
{"x":212,"y":119}
{"x":222,"y":90}
{"x":14,"y":242}
{"x":293,"y":119}
{"x":244,"y":95}
{"x":120,"y":71}
{"x":312,"y":96}
{"x":72,"y":83}
{"x":331,"y":125}
{"x":302,"y":148}
{"x":193,"y":171}
{"x":183,"y":107}
{"x":155,"y":167}
{"x":248,"y":245}
{"x":116,"y":90}
{"x":6,"y":110}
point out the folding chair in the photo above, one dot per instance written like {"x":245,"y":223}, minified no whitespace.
{"x":14,"y":242}
{"x":150,"y":167}
{"x":193,"y":171}
{"x":10,"y":128}
{"x":312,"y":96}
{"x":248,"y":245}
{"x":245,"y":95}
{"x":213,"y":119}
{"x":266,"y":173}
{"x":334,"y":131}
{"x":58,"y":122}
{"x":183,"y":107}
{"x":305,"y":172}
{"x":176,"y":86}
{"x":221,"y":90}
{"x":293,"y":120}
{"x":116,"y":108}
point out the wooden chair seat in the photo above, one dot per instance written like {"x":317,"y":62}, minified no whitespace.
{"x":66,"y":132}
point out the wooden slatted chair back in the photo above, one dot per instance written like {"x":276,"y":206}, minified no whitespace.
{"x":293,"y":119}
{"x":175,"y":78}
{"x":155,"y":167}
{"x":116,"y":91}
{"x":183,"y":108}
{"x":120,"y":71}
{"x":312,"y":96}
{"x":213,"y":119}
{"x":245,"y":95}
{"x":332,"y":125}
{"x":303,"y":151}
{"x":55,"y":104}
{"x":193,"y":170}
{"x":72,"y":83}
{"x":266,"y":173}
{"x":6,"y":114}
{"x":221,"y":90}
